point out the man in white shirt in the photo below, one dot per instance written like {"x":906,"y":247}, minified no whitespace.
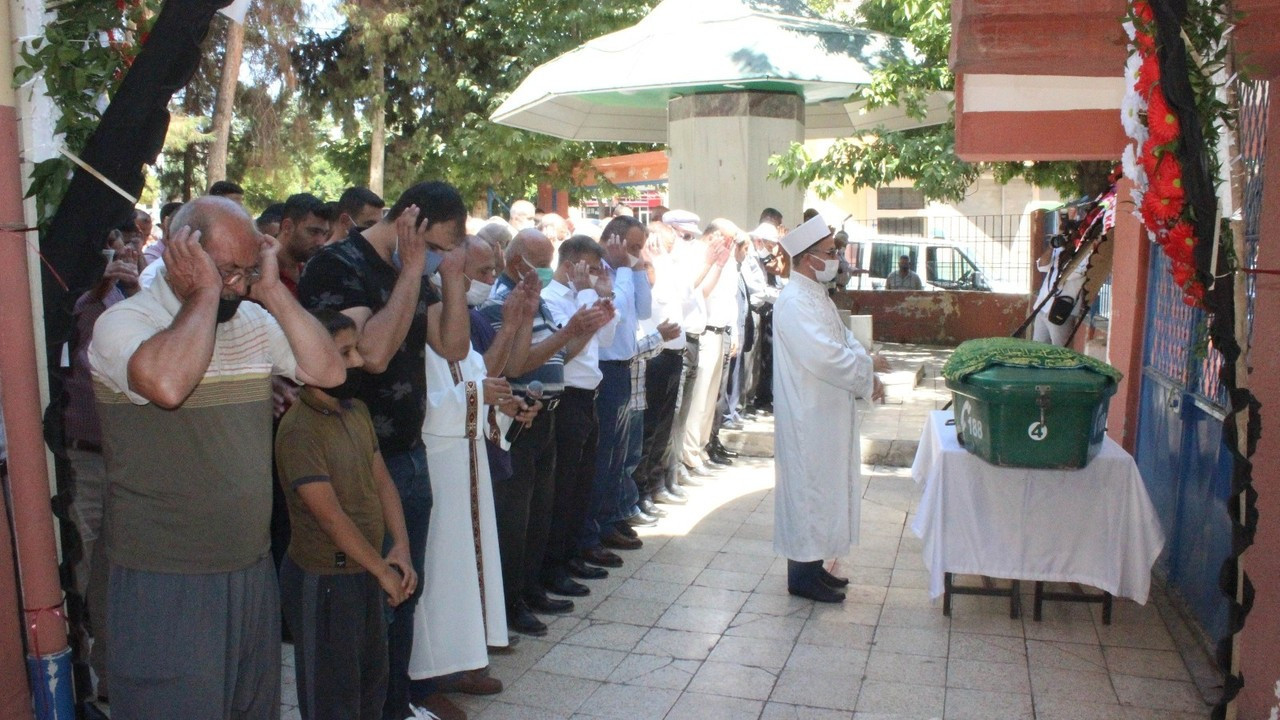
{"x":580,"y":281}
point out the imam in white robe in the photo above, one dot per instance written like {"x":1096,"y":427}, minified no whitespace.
{"x":462,"y":610}
{"x":819,"y":370}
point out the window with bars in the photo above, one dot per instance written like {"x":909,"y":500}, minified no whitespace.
{"x":888,"y":198}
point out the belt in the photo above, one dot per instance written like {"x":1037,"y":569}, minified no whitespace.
{"x":570,"y":390}
{"x":624,"y":363}
{"x":690,"y":337}
{"x":673,"y":351}
{"x":84,"y":446}
{"x":718,"y":330}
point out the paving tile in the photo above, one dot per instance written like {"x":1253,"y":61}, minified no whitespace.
{"x":660,"y":671}
{"x":992,"y":648}
{"x":605,"y":634}
{"x":914,"y":617}
{"x":714,"y":598}
{"x":747,"y":546}
{"x":589,"y":663}
{"x":1071,"y":631}
{"x":1152,"y":637}
{"x":742,"y":562}
{"x":635,"y":588}
{"x":548,"y":691}
{"x":522,"y":657}
{"x":783,"y":711}
{"x":1061,"y":708}
{"x":687,"y":558}
{"x":988,"y":676}
{"x":680,"y":644}
{"x":729,"y":579}
{"x":623,"y":701}
{"x":711,"y":542}
{"x":754,"y":652}
{"x":910,"y":578}
{"x":986,"y":623}
{"x":1141,"y":662}
{"x":837,"y":634}
{"x":707,"y":620}
{"x":666,"y":572}
{"x":1059,"y":682}
{"x":788,"y":605}
{"x":822,"y":660}
{"x":899,"y":667}
{"x":700,"y":706}
{"x":1070,"y":656}
{"x":912,"y":641}
{"x":751,"y":531}
{"x":733,"y":680}
{"x":879,"y":696}
{"x":1157,"y":694}
{"x":770,"y":627}
{"x":1132,"y":713}
{"x":876,"y":577}
{"x":632,"y":612}
{"x":847,"y":612}
{"x":984,"y":705}
{"x":812,"y":690}
{"x":506,"y":711}
{"x":914,"y":597}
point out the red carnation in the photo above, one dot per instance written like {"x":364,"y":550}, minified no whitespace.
{"x":1145,"y":43}
{"x":1181,"y":273}
{"x":1161,"y":119}
{"x":1148,"y":74}
{"x":1166,"y":181}
{"x":1180,"y":243}
{"x":1150,"y":156}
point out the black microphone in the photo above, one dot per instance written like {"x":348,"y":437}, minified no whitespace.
{"x":532,"y":394}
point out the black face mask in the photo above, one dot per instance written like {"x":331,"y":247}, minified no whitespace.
{"x":351,"y":388}
{"x":227,"y":308}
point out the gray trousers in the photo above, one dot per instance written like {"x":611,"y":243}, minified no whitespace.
{"x":196,"y":647}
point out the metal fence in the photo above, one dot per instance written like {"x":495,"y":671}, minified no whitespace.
{"x":999,"y":244}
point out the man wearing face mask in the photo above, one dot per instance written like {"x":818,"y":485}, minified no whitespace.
{"x":181,"y":373}
{"x":580,"y":281}
{"x":523,"y":502}
{"x":819,"y":372}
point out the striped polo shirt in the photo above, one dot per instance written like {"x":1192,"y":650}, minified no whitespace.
{"x":190,"y":488}
{"x":550,"y":374}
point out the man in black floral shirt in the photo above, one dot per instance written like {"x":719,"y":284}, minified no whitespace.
{"x":377,"y":276}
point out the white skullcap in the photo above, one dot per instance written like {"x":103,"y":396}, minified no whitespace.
{"x":805,"y":236}
{"x":766,"y":231}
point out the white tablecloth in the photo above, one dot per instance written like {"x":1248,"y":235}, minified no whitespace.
{"x":1095,"y":526}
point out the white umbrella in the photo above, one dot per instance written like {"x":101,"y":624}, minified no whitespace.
{"x":616,"y":87}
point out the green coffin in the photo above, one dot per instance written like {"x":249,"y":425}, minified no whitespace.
{"x":1033,"y":417}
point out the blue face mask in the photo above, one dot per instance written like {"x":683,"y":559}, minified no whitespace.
{"x":545,"y":275}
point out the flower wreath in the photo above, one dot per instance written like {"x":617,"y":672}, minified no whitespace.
{"x":1151,"y":160}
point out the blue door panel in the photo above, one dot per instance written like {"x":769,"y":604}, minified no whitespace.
{"x":1156,"y":452}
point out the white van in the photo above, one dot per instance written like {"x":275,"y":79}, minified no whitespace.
{"x":941,"y":265}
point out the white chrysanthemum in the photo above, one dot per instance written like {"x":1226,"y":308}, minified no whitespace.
{"x":1133,"y":104}
{"x":1129,"y":29}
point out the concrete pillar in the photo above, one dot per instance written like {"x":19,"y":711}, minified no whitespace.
{"x":720,"y":148}
{"x":1126,"y":332}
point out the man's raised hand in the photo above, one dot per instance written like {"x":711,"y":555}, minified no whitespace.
{"x":188,"y":267}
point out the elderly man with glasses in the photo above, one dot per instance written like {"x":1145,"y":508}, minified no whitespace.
{"x":819,"y":372}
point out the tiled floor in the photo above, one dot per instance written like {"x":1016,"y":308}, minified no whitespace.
{"x":698,"y":625}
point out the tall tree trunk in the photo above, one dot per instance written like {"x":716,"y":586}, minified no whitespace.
{"x":225,"y":105}
{"x":378,"y":124}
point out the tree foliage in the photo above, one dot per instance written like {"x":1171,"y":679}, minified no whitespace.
{"x":447,"y":65}
{"x":925,"y":155}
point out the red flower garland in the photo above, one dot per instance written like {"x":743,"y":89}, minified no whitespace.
{"x":1164,"y":211}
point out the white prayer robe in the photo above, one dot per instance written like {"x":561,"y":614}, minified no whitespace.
{"x":454,"y":620}
{"x":819,"y":370}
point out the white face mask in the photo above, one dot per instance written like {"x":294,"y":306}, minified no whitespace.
{"x":635,"y":259}
{"x":478,"y":293}
{"x":828,"y":271}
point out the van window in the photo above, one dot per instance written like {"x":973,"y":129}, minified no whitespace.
{"x":947,"y":267}
{"x":884,"y":258}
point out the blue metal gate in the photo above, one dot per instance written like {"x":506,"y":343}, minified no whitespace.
{"x":1179,"y":449}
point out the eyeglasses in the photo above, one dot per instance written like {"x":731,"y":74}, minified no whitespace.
{"x":248,"y":275}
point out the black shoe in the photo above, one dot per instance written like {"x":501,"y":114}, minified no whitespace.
{"x":523,"y":621}
{"x":540,"y":603}
{"x":640,"y":518}
{"x":832,"y":581}
{"x":719,"y":459}
{"x":579,"y":569}
{"x":670,"y":497}
{"x":626,"y":530}
{"x":648,"y":507}
{"x":618,"y":541}
{"x":817,"y":592}
{"x":564,"y":586}
{"x":601,"y":558}
{"x":717,"y":447}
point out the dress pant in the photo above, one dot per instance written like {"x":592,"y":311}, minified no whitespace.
{"x":611,"y":411}
{"x":688,"y":379}
{"x":522,"y":505}
{"x":761,"y":392}
{"x":702,"y":401}
{"x":577,"y":434}
{"x":408,"y":472}
{"x":662,"y":390}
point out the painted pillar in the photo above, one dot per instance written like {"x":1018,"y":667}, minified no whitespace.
{"x":720,"y":148}
{"x":1260,"y":650}
{"x":1128,"y":319}
{"x":24,"y":394}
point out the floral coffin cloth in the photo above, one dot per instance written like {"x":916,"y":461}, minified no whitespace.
{"x":977,"y":355}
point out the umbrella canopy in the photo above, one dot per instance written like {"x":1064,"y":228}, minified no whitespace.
{"x":616,"y":87}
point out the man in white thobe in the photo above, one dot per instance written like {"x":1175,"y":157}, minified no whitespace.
{"x":819,"y":372}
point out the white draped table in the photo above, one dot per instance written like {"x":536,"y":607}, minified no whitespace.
{"x":1094,"y":526}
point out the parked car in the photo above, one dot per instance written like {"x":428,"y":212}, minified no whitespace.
{"x":941,"y":265}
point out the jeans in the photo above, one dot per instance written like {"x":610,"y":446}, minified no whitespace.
{"x":611,"y":411}
{"x":628,"y":490}
{"x":409,"y":474}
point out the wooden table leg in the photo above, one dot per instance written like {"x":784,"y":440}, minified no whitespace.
{"x":1015,"y":600}
{"x":946,"y":594}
